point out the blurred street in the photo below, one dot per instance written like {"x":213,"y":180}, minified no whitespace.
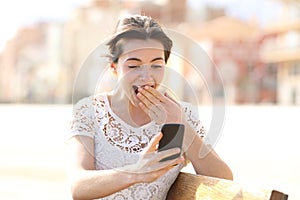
{"x":260,"y":143}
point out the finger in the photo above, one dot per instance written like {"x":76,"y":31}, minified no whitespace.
{"x":151,"y":109}
{"x":153,"y":143}
{"x":157,"y":156}
{"x":155,"y":93}
{"x":171,"y":98}
{"x":150,"y":112}
{"x":156,"y":138}
{"x":167,"y":153}
{"x":158,"y":113}
{"x":181,"y":159}
{"x":147,"y":98}
{"x":158,"y":110}
{"x":155,"y":116}
{"x":166,"y":164}
{"x":155,"y":113}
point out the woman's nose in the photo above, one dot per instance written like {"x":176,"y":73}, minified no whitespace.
{"x":146,"y":72}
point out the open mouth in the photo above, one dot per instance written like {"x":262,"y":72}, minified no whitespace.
{"x":136,"y":88}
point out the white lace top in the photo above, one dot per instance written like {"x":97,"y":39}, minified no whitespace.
{"x":118,"y":144}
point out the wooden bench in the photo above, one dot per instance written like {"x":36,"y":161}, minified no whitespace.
{"x":196,"y":187}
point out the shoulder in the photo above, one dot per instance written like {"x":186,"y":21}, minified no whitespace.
{"x":92,"y":100}
{"x":192,"y":115}
{"x":188,"y":108}
{"x":90,"y":104}
{"x":185,"y":104}
{"x":85,"y":101}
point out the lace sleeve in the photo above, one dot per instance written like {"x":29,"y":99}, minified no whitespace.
{"x":83,"y":122}
{"x":192,"y":117}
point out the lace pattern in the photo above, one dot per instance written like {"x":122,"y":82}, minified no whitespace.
{"x":118,"y":144}
{"x":126,"y":139}
{"x":193,"y":119}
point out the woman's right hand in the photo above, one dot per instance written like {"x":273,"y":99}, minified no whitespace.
{"x":149,"y":168}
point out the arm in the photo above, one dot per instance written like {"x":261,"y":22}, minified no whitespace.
{"x":88,"y":183}
{"x":203,"y":158}
{"x":165,"y":110}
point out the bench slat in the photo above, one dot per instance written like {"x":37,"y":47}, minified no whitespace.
{"x":197,"y":187}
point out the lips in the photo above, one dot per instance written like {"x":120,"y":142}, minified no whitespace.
{"x":136,"y":88}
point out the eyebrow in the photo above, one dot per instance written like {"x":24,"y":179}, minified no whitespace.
{"x":158,"y":58}
{"x":139,"y":60}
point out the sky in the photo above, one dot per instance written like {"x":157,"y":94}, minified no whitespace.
{"x":16,"y":13}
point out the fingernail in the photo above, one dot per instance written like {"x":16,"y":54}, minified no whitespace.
{"x":141,"y":90}
{"x":178,"y":150}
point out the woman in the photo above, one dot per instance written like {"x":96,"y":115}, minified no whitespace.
{"x":115,"y":135}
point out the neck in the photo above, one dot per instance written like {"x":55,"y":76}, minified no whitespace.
{"x":126,"y":110}
{"x":138,"y":116}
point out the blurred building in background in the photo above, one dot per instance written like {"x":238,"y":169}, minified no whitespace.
{"x":258,"y":64}
{"x":31,"y":69}
{"x":234,"y":50}
{"x":280,"y":51}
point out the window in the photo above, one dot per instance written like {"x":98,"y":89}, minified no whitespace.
{"x":295,"y":69}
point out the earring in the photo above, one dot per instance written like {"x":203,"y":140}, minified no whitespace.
{"x":113,"y":67}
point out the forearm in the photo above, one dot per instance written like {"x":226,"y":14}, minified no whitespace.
{"x":91,"y":184}
{"x":203,"y":158}
{"x":88,"y":183}
{"x":208,"y":163}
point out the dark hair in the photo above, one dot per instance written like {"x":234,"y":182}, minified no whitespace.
{"x":137,"y":27}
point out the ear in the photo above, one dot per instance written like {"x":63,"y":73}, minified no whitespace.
{"x":113,"y":67}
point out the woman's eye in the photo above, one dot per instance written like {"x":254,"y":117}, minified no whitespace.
{"x":157,"y":66}
{"x":133,"y":66}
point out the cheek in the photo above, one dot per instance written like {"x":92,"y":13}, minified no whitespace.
{"x":160,"y":76}
{"x":122,"y":73}
{"x":126,"y":77}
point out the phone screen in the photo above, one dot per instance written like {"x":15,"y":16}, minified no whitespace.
{"x":172,"y":138}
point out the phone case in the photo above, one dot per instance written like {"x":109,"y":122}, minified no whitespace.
{"x":172,"y":138}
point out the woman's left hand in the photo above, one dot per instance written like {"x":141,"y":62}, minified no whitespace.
{"x":160,"y":107}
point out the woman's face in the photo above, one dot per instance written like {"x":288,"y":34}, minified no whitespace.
{"x":141,"y":63}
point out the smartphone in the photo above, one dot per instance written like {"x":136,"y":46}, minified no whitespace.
{"x":172,"y":138}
